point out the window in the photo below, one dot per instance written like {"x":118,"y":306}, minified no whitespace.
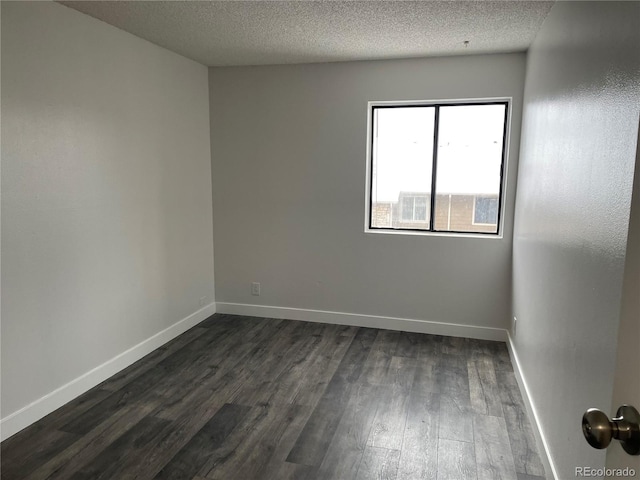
{"x":414,"y":208}
{"x":485,"y":211}
{"x":437,"y":167}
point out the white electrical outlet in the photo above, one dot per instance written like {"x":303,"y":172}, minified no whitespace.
{"x":515,"y":325}
{"x":255,"y":288}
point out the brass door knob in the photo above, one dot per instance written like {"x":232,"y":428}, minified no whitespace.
{"x":625,"y":427}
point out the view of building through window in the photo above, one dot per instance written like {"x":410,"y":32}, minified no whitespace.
{"x":464,"y":170}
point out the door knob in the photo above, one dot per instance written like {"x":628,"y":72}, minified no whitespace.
{"x":625,"y":427}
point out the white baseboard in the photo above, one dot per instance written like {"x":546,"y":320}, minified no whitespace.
{"x":33,"y":412}
{"x":543,"y":446}
{"x":358,"y":320}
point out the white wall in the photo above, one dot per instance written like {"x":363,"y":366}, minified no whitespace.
{"x":289,"y":152}
{"x":572,"y":212}
{"x":106,"y":195}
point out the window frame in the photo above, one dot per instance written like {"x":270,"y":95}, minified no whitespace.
{"x":431,"y":231}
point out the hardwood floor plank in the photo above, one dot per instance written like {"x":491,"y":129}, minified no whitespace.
{"x":390,"y":371}
{"x":379,"y":359}
{"x":193,"y":456}
{"x":314,"y":375}
{"x":354,"y":359}
{"x":429,"y":346}
{"x":233,"y":368}
{"x":264,"y":440}
{"x":228,"y":375}
{"x":221,"y":385}
{"x":100,"y":412}
{"x":483,"y":387}
{"x":37,"y":438}
{"x":103,"y":465}
{"x":389,"y":423}
{"x":85,"y":449}
{"x":478,"y":400}
{"x":521,"y":437}
{"x":287,"y":352}
{"x":266,"y":352}
{"x":493,"y":451}
{"x":21,"y":460}
{"x":201,"y":358}
{"x":248,"y":431}
{"x":379,"y":463}
{"x":167,"y":443}
{"x":508,"y":391}
{"x":451,"y":373}
{"x":408,"y":345}
{"x":456,"y":419}
{"x":456,"y":460}
{"x":314,"y":439}
{"x":297,"y":416}
{"x":345,"y":451}
{"x":419,"y":459}
{"x":313,"y":442}
{"x":425,"y":380}
{"x":211,"y":360}
{"x":401,"y":373}
{"x":453,"y":345}
{"x":476,"y":348}
{"x":500,"y":356}
{"x":290,"y":471}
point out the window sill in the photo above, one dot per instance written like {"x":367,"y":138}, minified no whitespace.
{"x":487,"y":236}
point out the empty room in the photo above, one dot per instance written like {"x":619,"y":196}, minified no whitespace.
{"x":320,"y":240}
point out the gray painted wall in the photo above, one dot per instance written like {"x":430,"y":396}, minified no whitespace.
{"x":106,"y":195}
{"x":289,"y":152}
{"x":580,"y":123}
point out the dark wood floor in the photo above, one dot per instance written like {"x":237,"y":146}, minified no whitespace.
{"x":252,"y":398}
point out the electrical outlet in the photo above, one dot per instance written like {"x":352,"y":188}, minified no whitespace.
{"x":515,"y":325}
{"x":203,"y":301}
{"x":255,"y":289}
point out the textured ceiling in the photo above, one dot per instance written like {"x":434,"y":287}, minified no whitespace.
{"x":275,"y":32}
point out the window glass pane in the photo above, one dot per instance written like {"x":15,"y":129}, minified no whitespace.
{"x":407,"y":209}
{"x":402,"y":153}
{"x":420,"y":212}
{"x":470,"y":139}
